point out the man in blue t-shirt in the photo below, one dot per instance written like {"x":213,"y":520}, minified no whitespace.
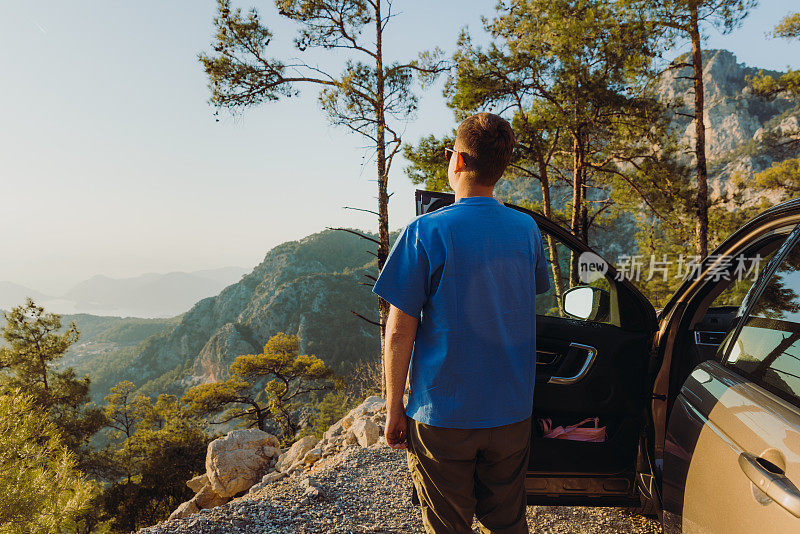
{"x":462,"y":284}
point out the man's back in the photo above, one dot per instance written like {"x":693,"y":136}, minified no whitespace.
{"x":472,"y":271}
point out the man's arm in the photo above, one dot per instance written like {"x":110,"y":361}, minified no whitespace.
{"x":401,"y":329}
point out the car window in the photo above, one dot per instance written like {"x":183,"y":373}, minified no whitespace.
{"x":738,"y":281}
{"x":559,"y":257}
{"x":767,"y":348}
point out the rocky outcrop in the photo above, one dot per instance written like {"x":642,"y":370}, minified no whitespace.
{"x":234,"y":463}
{"x":211,"y":363}
{"x":239,"y":460}
{"x":296,"y":453}
{"x":366,"y":432}
{"x":732,"y":113}
{"x":247,"y":461}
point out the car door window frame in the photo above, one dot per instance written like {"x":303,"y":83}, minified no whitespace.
{"x":750,"y":299}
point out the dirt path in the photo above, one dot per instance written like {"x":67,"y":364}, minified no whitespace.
{"x":368,"y":490}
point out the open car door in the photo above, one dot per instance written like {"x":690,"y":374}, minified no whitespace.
{"x":732,"y":389}
{"x":589,"y":365}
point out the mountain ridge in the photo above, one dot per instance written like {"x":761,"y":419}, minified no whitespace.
{"x":305,"y":287}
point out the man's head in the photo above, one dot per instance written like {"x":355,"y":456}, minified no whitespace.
{"x":483,"y":148}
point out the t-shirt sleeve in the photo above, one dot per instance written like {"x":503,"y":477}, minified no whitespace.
{"x":403,"y":281}
{"x":541,"y":275}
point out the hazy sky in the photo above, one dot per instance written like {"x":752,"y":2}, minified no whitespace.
{"x":112,"y":162}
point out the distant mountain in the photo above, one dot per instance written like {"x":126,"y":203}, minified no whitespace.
{"x":12,"y":294}
{"x":150,"y":295}
{"x":306,"y":287}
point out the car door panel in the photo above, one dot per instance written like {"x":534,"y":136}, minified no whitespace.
{"x":575,"y":472}
{"x":718,"y":416}
{"x":607,"y":386}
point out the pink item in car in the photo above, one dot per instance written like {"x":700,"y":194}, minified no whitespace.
{"x":575,"y":432}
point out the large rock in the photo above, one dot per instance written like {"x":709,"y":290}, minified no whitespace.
{"x":197,"y":483}
{"x":239,"y":460}
{"x":312,"y":456}
{"x":295,"y":453}
{"x":208,"y":498}
{"x":366,"y":432}
{"x":370,"y":406}
{"x":185,"y":509}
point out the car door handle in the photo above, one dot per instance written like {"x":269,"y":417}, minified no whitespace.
{"x":770,"y":479}
{"x":591,"y":352}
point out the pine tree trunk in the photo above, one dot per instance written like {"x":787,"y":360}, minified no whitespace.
{"x":547,"y":209}
{"x":383,"y":179}
{"x":577,"y":205}
{"x":584,"y":210}
{"x":701,"y":203}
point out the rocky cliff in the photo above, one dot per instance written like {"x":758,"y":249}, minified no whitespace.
{"x":738,"y":123}
{"x":305,"y":287}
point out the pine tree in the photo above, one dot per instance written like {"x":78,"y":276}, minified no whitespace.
{"x":157,"y":448}
{"x":42,"y":489}
{"x":686,"y":19}
{"x":292,"y":376}
{"x":34,"y":344}
{"x":572,"y":75}
{"x":369,"y":97}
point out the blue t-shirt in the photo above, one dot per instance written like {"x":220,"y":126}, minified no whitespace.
{"x":470,"y":272}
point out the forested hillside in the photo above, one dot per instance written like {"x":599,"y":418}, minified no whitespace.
{"x":306,"y":287}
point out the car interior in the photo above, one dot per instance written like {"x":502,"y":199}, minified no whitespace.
{"x":614,"y":390}
{"x":712,"y":311}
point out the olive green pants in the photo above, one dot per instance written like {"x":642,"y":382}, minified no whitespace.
{"x":464,"y":473}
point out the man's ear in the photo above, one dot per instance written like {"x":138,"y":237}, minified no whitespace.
{"x":460,"y":165}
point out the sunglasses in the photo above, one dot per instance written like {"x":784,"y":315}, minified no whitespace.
{"x":448,"y":152}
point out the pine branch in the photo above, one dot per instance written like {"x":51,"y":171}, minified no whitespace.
{"x":370,"y":321}
{"x":360,"y":209}
{"x":359,"y":234}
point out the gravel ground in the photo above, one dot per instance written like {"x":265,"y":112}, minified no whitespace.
{"x":369,"y":491}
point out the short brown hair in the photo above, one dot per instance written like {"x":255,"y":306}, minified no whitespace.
{"x":487,"y":140}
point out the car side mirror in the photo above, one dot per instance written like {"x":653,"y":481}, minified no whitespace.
{"x":587,"y":302}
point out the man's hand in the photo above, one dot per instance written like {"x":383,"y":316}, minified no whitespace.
{"x":396,"y":426}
